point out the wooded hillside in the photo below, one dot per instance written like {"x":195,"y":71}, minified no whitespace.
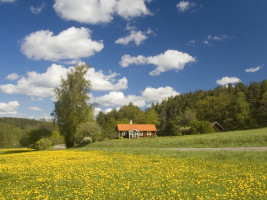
{"x":15,"y":132}
{"x":234,"y":107}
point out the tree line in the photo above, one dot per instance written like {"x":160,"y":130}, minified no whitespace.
{"x":17,"y":132}
{"x":234,"y":107}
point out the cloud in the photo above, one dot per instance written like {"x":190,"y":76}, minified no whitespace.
{"x":192,"y":43}
{"x":184,"y":6}
{"x":169,"y":60}
{"x":71,"y":44}
{"x":228,"y":80}
{"x":119,"y":99}
{"x":99,"y":11}
{"x":37,"y":84}
{"x":9,"y":108}
{"x":41,"y":85}
{"x":35,"y":109}
{"x":97,"y":111}
{"x":254,"y":69}
{"x":37,"y":10}
{"x":135,"y":36}
{"x":153,"y":95}
{"x":148,"y":96}
{"x":7,"y":1}
{"x":102,"y":82}
{"x":210,"y":39}
{"x":129,"y":8}
{"x":12,"y":77}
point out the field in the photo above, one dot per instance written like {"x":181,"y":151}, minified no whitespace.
{"x":247,"y":138}
{"x":133,"y":173}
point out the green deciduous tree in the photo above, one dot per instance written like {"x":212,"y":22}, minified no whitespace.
{"x":88,"y":130}
{"x":152,"y":117}
{"x":241,"y":112}
{"x":43,"y":144}
{"x":71,"y":108}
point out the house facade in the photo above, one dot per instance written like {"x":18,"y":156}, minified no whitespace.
{"x":133,"y":131}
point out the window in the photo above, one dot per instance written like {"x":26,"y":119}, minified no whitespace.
{"x":140,"y":133}
{"x":123,"y":133}
{"x":148,"y":132}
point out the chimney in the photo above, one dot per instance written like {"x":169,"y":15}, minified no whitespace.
{"x":131,"y":121}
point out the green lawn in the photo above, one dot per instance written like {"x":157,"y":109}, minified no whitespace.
{"x":247,"y":138}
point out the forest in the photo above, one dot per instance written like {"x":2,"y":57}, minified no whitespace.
{"x":234,"y":107}
{"x":16,"y":132}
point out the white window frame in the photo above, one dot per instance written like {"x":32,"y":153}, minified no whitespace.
{"x":141,"y":133}
{"x":148,"y":132}
{"x":123,"y":133}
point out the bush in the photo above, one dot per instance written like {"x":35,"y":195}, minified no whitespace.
{"x":35,"y":134}
{"x":85,"y":141}
{"x":56,"y":138}
{"x":88,"y":130}
{"x":43,"y":144}
{"x":200,"y":127}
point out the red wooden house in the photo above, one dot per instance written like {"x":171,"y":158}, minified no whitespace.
{"x":133,"y":131}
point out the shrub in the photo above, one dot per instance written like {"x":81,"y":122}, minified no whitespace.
{"x":85,"y":141}
{"x":56,"y":138}
{"x":200,"y":127}
{"x":43,"y":144}
{"x":88,"y":130}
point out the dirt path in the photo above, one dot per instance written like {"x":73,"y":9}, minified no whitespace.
{"x":218,"y":149}
{"x":59,"y":146}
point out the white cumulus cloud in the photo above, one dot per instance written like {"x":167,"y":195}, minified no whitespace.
{"x":149,"y":95}
{"x":42,"y":84}
{"x":115,"y":99}
{"x":152,"y":95}
{"x":12,"y":77}
{"x":105,"y":82}
{"x":254,"y":69}
{"x":34,"y":108}
{"x":135,"y":36}
{"x":99,"y":11}
{"x":129,"y":8}
{"x":71,"y":44}
{"x":227,"y":80}
{"x":169,"y":60}
{"x":9,"y":108}
{"x":184,"y":6}
{"x":37,"y":84}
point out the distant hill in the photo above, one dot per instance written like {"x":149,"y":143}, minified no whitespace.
{"x":21,"y":122}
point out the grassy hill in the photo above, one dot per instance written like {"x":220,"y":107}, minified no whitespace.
{"x":247,"y":138}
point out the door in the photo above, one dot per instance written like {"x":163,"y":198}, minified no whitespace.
{"x":134,"y":134}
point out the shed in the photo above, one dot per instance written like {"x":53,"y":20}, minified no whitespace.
{"x":217,"y":127}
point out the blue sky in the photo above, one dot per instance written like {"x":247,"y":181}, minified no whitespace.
{"x":140,"y":51}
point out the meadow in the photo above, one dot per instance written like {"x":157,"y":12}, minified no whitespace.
{"x":244,"y":138}
{"x":132,"y":173}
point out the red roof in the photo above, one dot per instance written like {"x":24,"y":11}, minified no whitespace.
{"x":139,"y":127}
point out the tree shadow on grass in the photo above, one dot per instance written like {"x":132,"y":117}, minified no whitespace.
{"x":14,"y":151}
